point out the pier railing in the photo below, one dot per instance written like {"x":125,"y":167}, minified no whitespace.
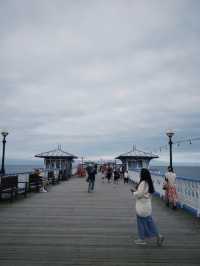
{"x":23,"y":177}
{"x":188,"y":190}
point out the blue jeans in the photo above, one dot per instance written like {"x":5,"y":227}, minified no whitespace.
{"x":146,"y":227}
{"x":91,"y":185}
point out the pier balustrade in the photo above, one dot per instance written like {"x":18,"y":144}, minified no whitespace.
{"x":11,"y":187}
{"x":188,"y":190}
{"x":23,"y":179}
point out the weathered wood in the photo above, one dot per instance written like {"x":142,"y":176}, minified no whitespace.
{"x":68,"y":226}
{"x":8,"y":184}
{"x":35,"y":182}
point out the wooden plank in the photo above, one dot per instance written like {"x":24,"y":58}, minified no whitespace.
{"x":68,"y":226}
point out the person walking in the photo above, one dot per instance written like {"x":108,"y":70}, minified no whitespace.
{"x":109,"y":173}
{"x":171,"y":196}
{"x":103,"y":170}
{"x":126,"y":177}
{"x":91,"y":178}
{"x":122,"y":171}
{"x":116,"y":176}
{"x":145,"y":224}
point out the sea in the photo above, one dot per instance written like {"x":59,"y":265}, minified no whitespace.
{"x":190,"y":172}
{"x":21,"y":168}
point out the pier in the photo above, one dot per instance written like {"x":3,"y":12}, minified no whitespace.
{"x":68,"y":226}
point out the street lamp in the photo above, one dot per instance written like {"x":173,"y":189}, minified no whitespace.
{"x":170,"y":133}
{"x":4,"y":134}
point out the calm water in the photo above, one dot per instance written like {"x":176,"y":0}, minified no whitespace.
{"x":192,"y":172}
{"x":10,"y":169}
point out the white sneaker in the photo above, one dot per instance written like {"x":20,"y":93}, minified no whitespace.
{"x":43,"y":190}
{"x":140,"y":242}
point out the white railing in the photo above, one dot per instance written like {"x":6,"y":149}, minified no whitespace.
{"x":188,"y":190}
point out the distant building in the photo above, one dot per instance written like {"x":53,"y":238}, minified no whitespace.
{"x":58,"y":160}
{"x":136,"y":159}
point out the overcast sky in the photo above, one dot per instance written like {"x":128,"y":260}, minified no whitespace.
{"x":98,"y":76}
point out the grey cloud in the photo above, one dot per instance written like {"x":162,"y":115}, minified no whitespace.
{"x":98,"y":76}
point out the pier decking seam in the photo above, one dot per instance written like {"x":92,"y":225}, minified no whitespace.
{"x":68,"y":226}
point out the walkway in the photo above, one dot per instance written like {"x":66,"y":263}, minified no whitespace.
{"x":68,"y":226}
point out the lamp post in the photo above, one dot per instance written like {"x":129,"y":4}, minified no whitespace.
{"x":4,"y":134}
{"x":170,"y":134}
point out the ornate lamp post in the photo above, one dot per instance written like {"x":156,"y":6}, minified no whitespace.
{"x":170,"y":134}
{"x":4,"y":134}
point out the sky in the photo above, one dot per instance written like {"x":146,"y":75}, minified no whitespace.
{"x":99,"y":76}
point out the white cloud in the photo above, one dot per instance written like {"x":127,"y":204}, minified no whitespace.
{"x":97,"y":76}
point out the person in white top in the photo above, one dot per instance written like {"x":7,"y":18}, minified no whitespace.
{"x":146,"y":226}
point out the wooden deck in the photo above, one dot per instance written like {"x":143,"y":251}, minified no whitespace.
{"x":68,"y":226}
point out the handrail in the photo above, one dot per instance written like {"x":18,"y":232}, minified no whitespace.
{"x":25,"y":172}
{"x":188,"y":190}
{"x":23,"y":177}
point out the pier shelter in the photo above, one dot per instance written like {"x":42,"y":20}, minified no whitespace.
{"x":58,"y":161}
{"x":136,"y":159}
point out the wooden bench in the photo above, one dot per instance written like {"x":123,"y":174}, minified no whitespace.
{"x":9,"y":185}
{"x":35,"y":182}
